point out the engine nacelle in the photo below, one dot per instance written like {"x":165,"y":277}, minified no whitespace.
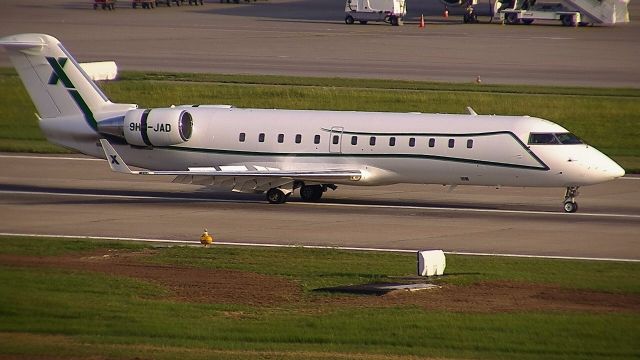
{"x":157,"y":127}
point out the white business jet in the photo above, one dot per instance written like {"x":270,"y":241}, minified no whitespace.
{"x":278,"y":151}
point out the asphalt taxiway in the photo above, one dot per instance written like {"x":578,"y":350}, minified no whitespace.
{"x":309,"y":38}
{"x":73,"y":195}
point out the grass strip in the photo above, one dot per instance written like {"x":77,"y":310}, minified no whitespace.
{"x":87,"y":315}
{"x":107,"y":312}
{"x":317,"y":268}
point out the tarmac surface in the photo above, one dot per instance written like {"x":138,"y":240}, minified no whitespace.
{"x":67,"y":196}
{"x":309,"y":38}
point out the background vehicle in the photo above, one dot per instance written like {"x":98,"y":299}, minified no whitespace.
{"x":389,"y":11}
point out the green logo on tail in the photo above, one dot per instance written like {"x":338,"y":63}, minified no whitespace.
{"x":58,"y":75}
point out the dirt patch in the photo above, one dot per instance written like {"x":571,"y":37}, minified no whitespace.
{"x":184,"y":283}
{"x":240,"y":287}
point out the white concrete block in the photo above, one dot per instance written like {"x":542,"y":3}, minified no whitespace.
{"x":431,"y":262}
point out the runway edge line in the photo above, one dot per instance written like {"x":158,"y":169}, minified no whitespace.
{"x":196,"y":243}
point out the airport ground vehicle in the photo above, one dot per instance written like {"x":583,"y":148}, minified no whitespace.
{"x":104,"y":4}
{"x":568,"y":12}
{"x":363,"y":11}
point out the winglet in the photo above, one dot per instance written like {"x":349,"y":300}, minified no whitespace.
{"x":471,"y":111}
{"x":115,"y":160}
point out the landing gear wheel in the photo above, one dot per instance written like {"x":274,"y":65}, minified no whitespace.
{"x":311,"y":193}
{"x":276,"y":196}
{"x":570,"y":207}
{"x":394,"y":21}
{"x":512,"y":19}
{"x":570,"y":204}
{"x":567,"y":20}
{"x":349,"y":20}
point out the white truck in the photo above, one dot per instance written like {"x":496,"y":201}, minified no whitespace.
{"x":568,"y":12}
{"x":363,"y":11}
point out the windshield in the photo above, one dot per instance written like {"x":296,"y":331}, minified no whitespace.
{"x":554,"y":139}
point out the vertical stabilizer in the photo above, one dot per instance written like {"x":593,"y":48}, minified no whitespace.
{"x":57,"y":84}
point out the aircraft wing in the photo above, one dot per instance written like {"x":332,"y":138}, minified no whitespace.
{"x":257,"y":180}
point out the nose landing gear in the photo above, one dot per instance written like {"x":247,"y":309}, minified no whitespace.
{"x":570,"y":204}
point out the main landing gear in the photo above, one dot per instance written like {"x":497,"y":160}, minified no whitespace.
{"x":570,"y":204}
{"x":308,"y":193}
{"x":277,"y":196}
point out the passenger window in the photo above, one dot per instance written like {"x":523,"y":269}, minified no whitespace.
{"x":316,"y":139}
{"x":354,"y":140}
{"x":432,"y":142}
{"x":469,"y":144}
{"x":452,"y":143}
{"x":242,"y":137}
{"x":392,"y":141}
{"x":298,"y":138}
{"x":336,"y":139}
{"x":261,"y":137}
{"x":372,"y":141}
{"x":412,"y":142}
{"x":280,"y":138}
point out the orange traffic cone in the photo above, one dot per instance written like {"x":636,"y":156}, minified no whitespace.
{"x":421,"y":21}
{"x":446,"y":12}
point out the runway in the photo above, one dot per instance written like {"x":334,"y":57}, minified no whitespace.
{"x":67,"y":196}
{"x":309,"y":38}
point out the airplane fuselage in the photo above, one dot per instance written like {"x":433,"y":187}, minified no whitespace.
{"x":388,"y":147}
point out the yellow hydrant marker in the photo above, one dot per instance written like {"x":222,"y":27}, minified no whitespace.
{"x":206,"y":239}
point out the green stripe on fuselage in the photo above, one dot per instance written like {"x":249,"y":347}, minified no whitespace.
{"x":543,"y":166}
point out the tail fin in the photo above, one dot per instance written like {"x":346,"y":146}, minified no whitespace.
{"x":56,"y":83}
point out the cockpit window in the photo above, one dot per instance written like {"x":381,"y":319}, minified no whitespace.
{"x":543,"y":138}
{"x":553,"y":139}
{"x":568,"y":139}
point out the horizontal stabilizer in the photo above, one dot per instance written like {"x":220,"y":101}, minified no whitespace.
{"x":115,"y":161}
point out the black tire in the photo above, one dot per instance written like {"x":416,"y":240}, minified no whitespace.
{"x":527,"y":21}
{"x":349,"y":20}
{"x":567,"y":20}
{"x":134,"y":5}
{"x":311,"y":193}
{"x":95,"y":6}
{"x":570,"y":207}
{"x":276,"y":196}
{"x":363,"y":22}
{"x":394,"y":20}
{"x":512,"y":19}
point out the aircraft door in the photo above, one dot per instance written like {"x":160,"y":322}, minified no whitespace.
{"x":335,"y":140}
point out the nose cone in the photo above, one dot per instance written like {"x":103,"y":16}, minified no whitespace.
{"x":602,"y":168}
{"x":615,"y":170}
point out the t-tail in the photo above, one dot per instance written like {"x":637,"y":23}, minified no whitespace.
{"x":68,"y":102}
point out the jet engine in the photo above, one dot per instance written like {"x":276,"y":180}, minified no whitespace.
{"x":151,"y":127}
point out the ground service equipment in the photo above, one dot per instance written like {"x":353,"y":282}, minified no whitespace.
{"x":363,"y":11}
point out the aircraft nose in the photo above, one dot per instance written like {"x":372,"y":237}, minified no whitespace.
{"x":615,"y":170}
{"x":608,"y":169}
